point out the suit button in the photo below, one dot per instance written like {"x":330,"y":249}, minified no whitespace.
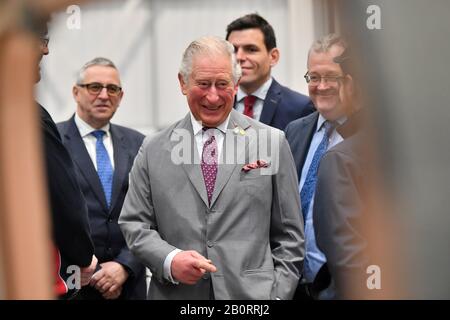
{"x":206,"y":276}
{"x":210,"y":243}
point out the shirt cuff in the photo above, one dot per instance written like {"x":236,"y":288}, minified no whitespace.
{"x":167,"y":273}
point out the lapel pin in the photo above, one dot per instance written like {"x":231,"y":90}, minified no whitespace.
{"x":239,"y":130}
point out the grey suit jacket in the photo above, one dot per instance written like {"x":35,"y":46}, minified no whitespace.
{"x":252,"y":231}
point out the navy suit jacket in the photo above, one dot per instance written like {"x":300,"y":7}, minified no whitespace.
{"x":108,"y":239}
{"x":69,"y":212}
{"x":283,"y":105}
{"x":299,"y":134}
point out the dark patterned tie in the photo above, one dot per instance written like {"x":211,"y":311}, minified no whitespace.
{"x":104,"y":168}
{"x":249,"y":101}
{"x":309,"y":185}
{"x":209,"y":164}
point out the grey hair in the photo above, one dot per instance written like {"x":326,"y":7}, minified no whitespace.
{"x":98,"y":61}
{"x":325,"y":43}
{"x":210,"y":45}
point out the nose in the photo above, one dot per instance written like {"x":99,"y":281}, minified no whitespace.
{"x":103,"y":94}
{"x":212,"y":95}
{"x":323,"y":85}
{"x":240,"y":55}
{"x":45,"y":50}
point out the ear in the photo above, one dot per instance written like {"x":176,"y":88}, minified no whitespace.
{"x":75,"y":91}
{"x":274,"y":56}
{"x":236,"y":86}
{"x":183,"y":85}
{"x":347,"y":95}
{"x":350,"y":85}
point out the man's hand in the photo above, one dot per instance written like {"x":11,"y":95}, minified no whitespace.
{"x":189,"y":266}
{"x":109,"y":279}
{"x":112,"y":293}
{"x":86,"y":273}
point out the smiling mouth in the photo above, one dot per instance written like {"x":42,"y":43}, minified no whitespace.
{"x":326,"y":95}
{"x":212,"y":108}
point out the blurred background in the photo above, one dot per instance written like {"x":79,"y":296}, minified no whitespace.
{"x":146,"y":39}
{"x":405,"y":60}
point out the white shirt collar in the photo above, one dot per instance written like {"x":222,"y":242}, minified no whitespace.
{"x":85,"y":129}
{"x":321,"y":120}
{"x":197,"y":126}
{"x":261,"y":93}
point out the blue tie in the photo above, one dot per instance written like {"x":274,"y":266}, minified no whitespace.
{"x":104,"y":168}
{"x":309,"y":185}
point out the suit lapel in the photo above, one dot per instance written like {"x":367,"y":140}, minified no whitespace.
{"x":271,"y":103}
{"x":226,"y":170}
{"x":81,"y":157}
{"x":121,"y":161}
{"x":302,"y":140}
{"x":192,"y":166}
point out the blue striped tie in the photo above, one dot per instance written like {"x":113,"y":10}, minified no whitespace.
{"x":104,"y":168}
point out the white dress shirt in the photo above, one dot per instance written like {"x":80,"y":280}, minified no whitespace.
{"x":90,"y":141}
{"x":260,"y":94}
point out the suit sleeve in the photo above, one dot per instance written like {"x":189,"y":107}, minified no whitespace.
{"x":286,"y":232}
{"x":137,"y":219}
{"x":125,"y":257}
{"x":337,"y":214}
{"x":68,"y":207}
{"x":129,"y":261}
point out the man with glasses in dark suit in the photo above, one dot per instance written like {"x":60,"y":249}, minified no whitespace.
{"x":309,"y":138}
{"x":103,"y":154}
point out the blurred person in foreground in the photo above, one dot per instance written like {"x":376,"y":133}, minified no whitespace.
{"x":71,"y":232}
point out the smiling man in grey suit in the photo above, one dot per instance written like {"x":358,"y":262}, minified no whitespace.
{"x":210,"y":228}
{"x":103,"y":154}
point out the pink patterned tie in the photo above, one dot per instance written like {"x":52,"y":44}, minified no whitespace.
{"x":209,"y":164}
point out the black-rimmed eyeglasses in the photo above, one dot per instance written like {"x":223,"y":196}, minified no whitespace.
{"x":95,"y":88}
{"x":44,"y":41}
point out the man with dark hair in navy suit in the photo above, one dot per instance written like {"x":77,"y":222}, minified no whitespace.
{"x":103,"y":154}
{"x":260,"y":96}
